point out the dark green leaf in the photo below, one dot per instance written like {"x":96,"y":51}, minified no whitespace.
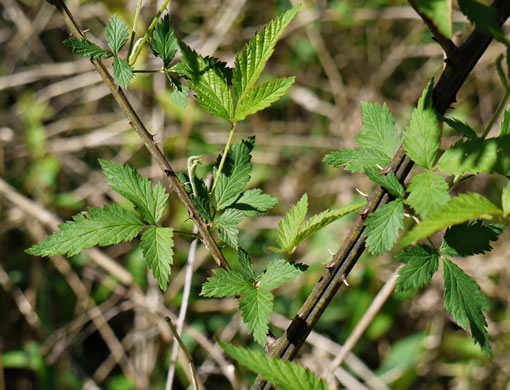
{"x":470,"y":238}
{"x":389,"y":181}
{"x":87,"y":49}
{"x":122,"y":72}
{"x":164,"y":43}
{"x":246,"y":264}
{"x":421,"y":263}
{"x":427,"y":191}
{"x":383,"y":226}
{"x":254,"y":202}
{"x":116,"y":34}
{"x":460,"y":127}
{"x":484,"y":17}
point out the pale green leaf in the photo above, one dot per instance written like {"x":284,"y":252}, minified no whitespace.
{"x":256,"y":305}
{"x":440,"y":12}
{"x":285,"y":375}
{"x":126,"y":181}
{"x":505,"y":200}
{"x":164,"y":43}
{"x":421,"y":263}
{"x":157,"y":246}
{"x":383,"y":226}
{"x":225,"y":284}
{"x":105,"y":226}
{"x":122,"y":72}
{"x":254,"y":202}
{"x":252,"y":59}
{"x":389,"y":181}
{"x":258,"y":98}
{"x":457,"y":210}
{"x":357,"y":159}
{"x":505,"y":123}
{"x":464,"y":300}
{"x":87,"y":49}
{"x":226,"y":224}
{"x":290,"y":225}
{"x":427,"y":191}
{"x":116,"y":34}
{"x":277,"y":273}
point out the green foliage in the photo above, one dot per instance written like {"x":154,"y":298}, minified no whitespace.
{"x":389,"y":181}
{"x":164,"y":43}
{"x":122,"y":72}
{"x":464,"y":300}
{"x":285,"y":375}
{"x":457,"y":210}
{"x":116,"y":34}
{"x":440,"y":12}
{"x":505,"y":123}
{"x":460,"y":127}
{"x":87,"y":49}
{"x":427,"y":191}
{"x":290,"y":225}
{"x":468,"y":239}
{"x":423,"y":136}
{"x":383,"y":226}
{"x":483,"y":16}
{"x":357,"y":159}
{"x":505,"y":200}
{"x":226,"y":224}
{"x":421,"y":263}
{"x":157,"y":243}
{"x":254,"y":202}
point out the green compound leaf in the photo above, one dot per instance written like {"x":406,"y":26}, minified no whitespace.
{"x":235,"y":174}
{"x":421,"y":263}
{"x":357,"y":159}
{"x":464,"y":300}
{"x":116,"y":34}
{"x":252,"y":59}
{"x":470,"y":238}
{"x":457,"y":210}
{"x":460,"y":127}
{"x":126,"y":181}
{"x":157,"y":244}
{"x":505,"y":200}
{"x":106,"y":226}
{"x":254,"y":202}
{"x":427,"y":191}
{"x":284,"y":374}
{"x":505,"y":123}
{"x":226,"y":224}
{"x":277,"y":273}
{"x":258,"y":98}
{"x":257,"y":305}
{"x":440,"y":12}
{"x":225,"y":284}
{"x":122,"y":72}
{"x":423,"y":136}
{"x":87,"y":49}
{"x":164,"y":43}
{"x":290,"y":226}
{"x":484,"y":17}
{"x":477,"y":156}
{"x":383,"y":226}
{"x":389,"y":181}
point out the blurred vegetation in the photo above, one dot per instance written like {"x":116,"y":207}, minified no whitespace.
{"x":57,"y":119}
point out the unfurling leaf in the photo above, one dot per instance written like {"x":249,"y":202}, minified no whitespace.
{"x":157,"y":244}
{"x":87,"y":49}
{"x":122,"y":72}
{"x":116,"y":34}
{"x":421,"y":263}
{"x":164,"y":43}
{"x":427,"y":191}
{"x":383,"y":226}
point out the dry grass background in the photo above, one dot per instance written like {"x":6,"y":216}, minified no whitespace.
{"x":97,"y":320}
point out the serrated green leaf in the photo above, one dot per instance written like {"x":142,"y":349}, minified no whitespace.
{"x":258,"y":98}
{"x":389,"y":181}
{"x":246,"y":264}
{"x":257,"y":305}
{"x":116,"y":34}
{"x":464,"y":300}
{"x":383,"y":226}
{"x":235,"y":174}
{"x":421,"y":263}
{"x":254,"y":202}
{"x":201,"y":201}
{"x":225,"y":284}
{"x":285,"y":375}
{"x":378,"y":130}
{"x":470,"y":238}
{"x":290,"y":225}
{"x":477,"y":156}
{"x":357,"y":159}
{"x":323,"y":219}
{"x":423,"y":135}
{"x":427,"y":191}
{"x":460,"y":127}
{"x":87,"y":49}
{"x":226,"y":224}
{"x":505,"y":123}
{"x":505,"y":200}
{"x":164,"y":43}
{"x":106,"y":226}
{"x":126,"y":181}
{"x":457,"y":210}
{"x":277,"y":273}
{"x":180,"y":92}
{"x":157,"y":244}
{"x":484,"y":17}
{"x":440,"y":12}
{"x":122,"y":72}
{"x":252,"y":59}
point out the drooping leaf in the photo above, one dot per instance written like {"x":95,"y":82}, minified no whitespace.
{"x":225,"y":284}
{"x":383,"y":226}
{"x":427,"y":191}
{"x":257,"y":305}
{"x":457,"y":210}
{"x":252,"y":59}
{"x":99,"y":226}
{"x":235,"y":174}
{"x":464,"y":300}
{"x":505,"y":123}
{"x":468,"y":239}
{"x":126,"y":181}
{"x":290,"y":225}
{"x":227,"y":226}
{"x":157,"y":246}
{"x":460,"y":127}
{"x":258,"y":98}
{"x":87,"y":49}
{"x":484,"y":17}
{"x":122,"y":72}
{"x":246,"y":264}
{"x":440,"y":12}
{"x":285,"y":375}
{"x":277,"y":273}
{"x":422,"y":137}
{"x":254,"y":202}
{"x":477,"y":156}
{"x":389,"y":181}
{"x":357,"y":159}
{"x":116,"y":33}
{"x":421,"y":263}
{"x":164,"y":43}
{"x":505,"y":200}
